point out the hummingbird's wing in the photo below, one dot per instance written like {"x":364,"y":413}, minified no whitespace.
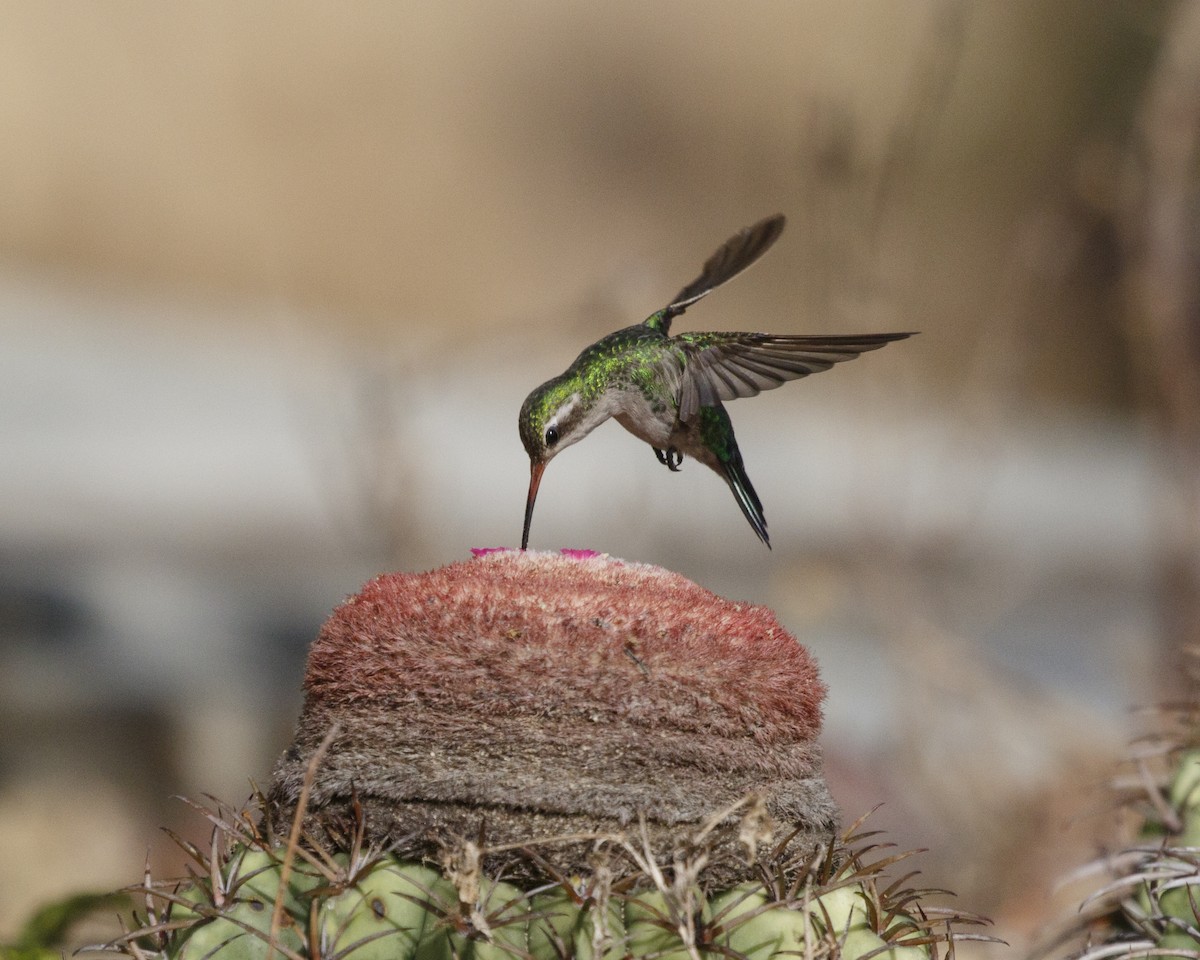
{"x":734,"y":256}
{"x":712,"y":367}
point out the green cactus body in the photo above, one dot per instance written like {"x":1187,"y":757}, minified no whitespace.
{"x":1178,"y":940}
{"x":1170,"y":900}
{"x":752,"y":925}
{"x":652,"y":926}
{"x":839,"y":910}
{"x":384,"y":915}
{"x":1176,"y":905}
{"x":1185,"y":785}
{"x":563,"y":927}
{"x":1150,"y":902}
{"x":842,"y":916}
{"x":406,"y":911}
{"x":504,"y":909}
{"x":1184,"y":797}
{"x":237,"y":924}
{"x":241,"y":932}
{"x":397,"y":910}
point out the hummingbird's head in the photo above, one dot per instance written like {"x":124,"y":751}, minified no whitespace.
{"x":552,"y":418}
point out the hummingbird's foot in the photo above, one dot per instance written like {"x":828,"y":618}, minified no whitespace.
{"x":670,"y":458}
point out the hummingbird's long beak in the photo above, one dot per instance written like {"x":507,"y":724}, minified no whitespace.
{"x":535,"y":477}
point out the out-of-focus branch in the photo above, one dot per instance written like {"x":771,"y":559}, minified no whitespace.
{"x":1164,"y":233}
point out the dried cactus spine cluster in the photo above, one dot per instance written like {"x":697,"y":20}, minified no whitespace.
{"x":1150,"y":904}
{"x":363,"y":907}
{"x":1167,"y":906}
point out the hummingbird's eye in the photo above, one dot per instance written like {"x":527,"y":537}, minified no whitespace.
{"x":551,"y":436}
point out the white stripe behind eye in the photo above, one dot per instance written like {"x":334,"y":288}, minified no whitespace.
{"x":564,"y":412}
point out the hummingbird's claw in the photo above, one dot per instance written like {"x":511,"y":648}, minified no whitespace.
{"x":669,"y":458}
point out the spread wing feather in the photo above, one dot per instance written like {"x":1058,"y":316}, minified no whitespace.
{"x":734,"y":256}
{"x":714,"y":367}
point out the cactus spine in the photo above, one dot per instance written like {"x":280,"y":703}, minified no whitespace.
{"x":356,"y":903}
{"x":1150,"y":904}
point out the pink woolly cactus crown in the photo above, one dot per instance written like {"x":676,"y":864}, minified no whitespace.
{"x":534,"y":694}
{"x":537,"y":634}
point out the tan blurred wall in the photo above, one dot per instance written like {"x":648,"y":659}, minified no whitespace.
{"x":418,"y":167}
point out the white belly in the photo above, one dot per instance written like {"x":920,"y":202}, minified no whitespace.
{"x":640,"y":418}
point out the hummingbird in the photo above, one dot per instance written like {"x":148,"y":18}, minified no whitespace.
{"x":670,"y":390}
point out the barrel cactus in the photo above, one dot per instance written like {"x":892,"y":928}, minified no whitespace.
{"x":250,"y":897}
{"x":538,"y":694}
{"x":543,"y":757}
{"x":1149,"y":901}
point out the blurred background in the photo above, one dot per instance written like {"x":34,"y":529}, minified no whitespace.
{"x":275,"y":279}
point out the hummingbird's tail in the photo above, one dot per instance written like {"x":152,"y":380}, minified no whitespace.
{"x":743,"y":491}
